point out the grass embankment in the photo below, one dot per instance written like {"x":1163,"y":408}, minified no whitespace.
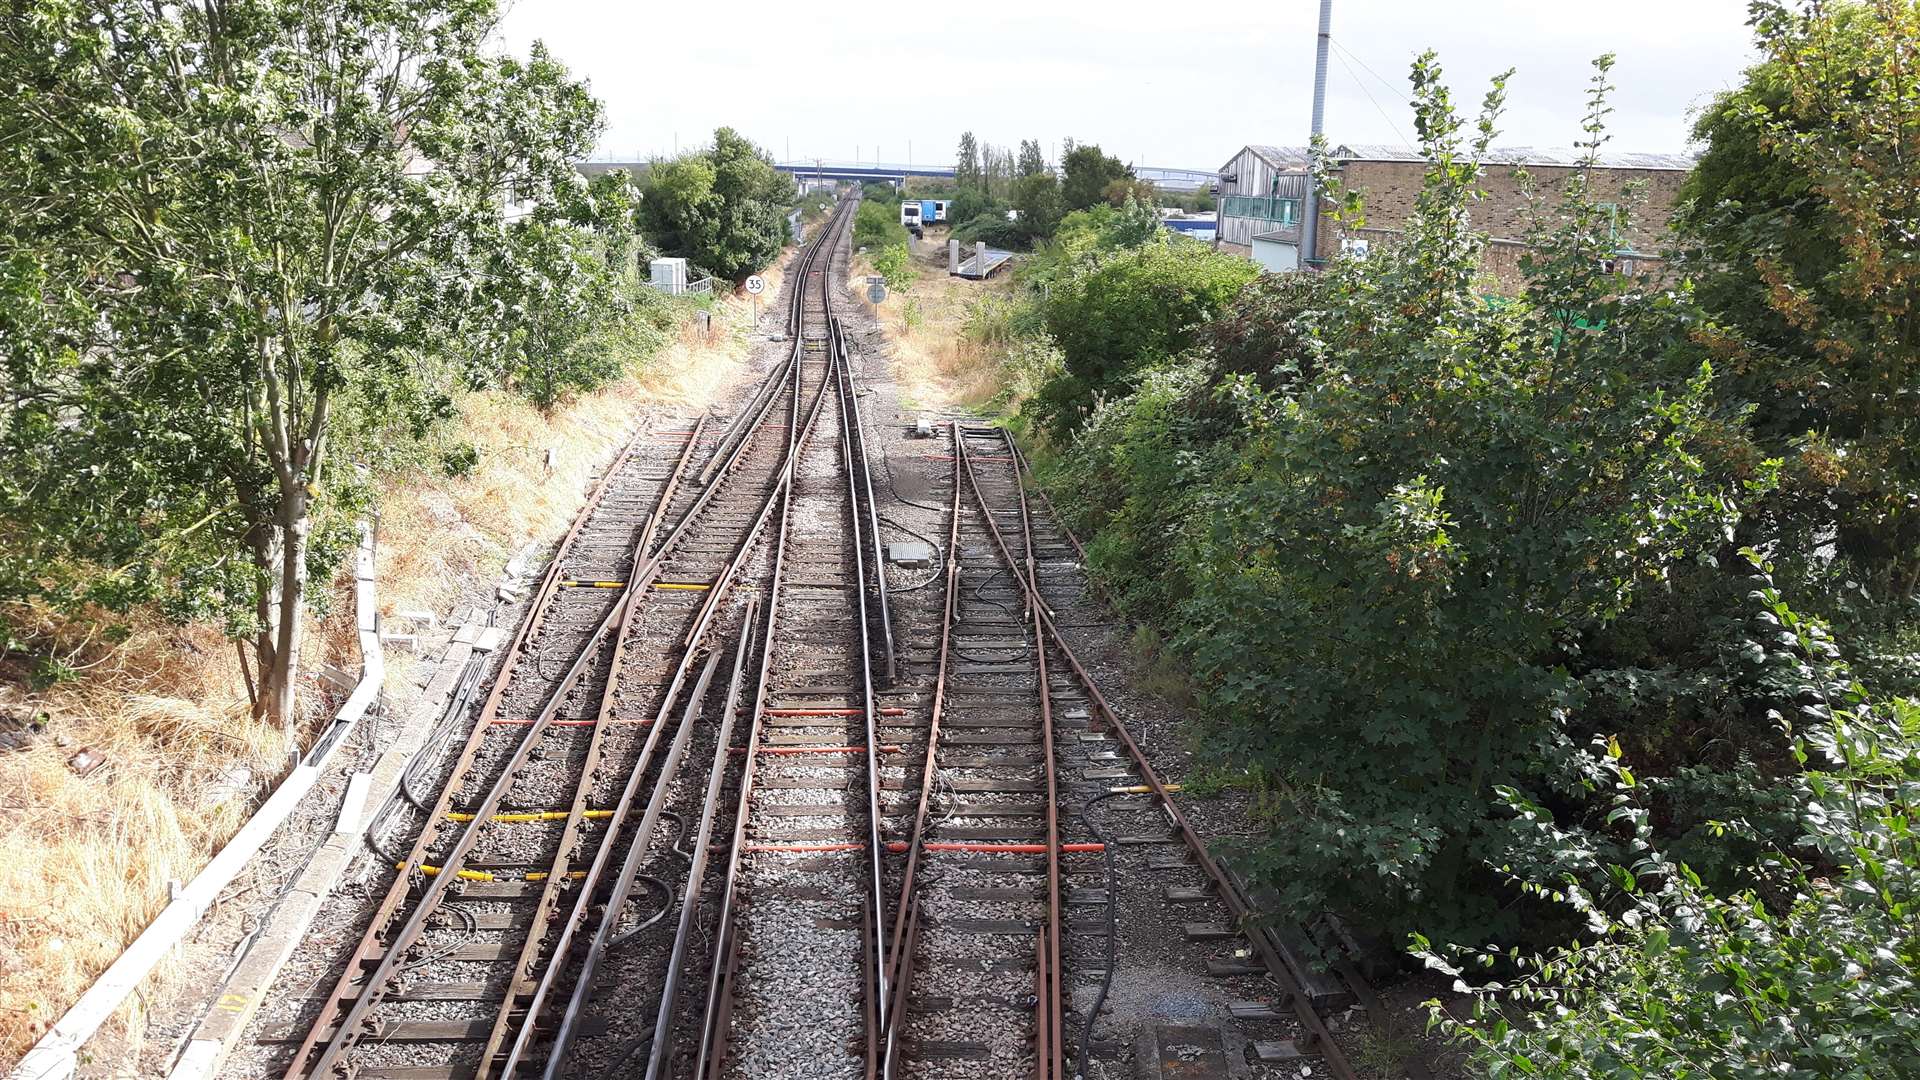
{"x":90,"y":857}
{"x":951,"y":337}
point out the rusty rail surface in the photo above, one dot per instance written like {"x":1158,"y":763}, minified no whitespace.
{"x":1319,"y":1038}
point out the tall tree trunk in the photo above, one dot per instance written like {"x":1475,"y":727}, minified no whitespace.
{"x":280,"y":551}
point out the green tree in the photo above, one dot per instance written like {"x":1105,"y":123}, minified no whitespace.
{"x":971,"y":203}
{"x":1085,"y":174}
{"x":1120,"y":191}
{"x":243,"y":244}
{"x":1797,"y":226}
{"x":1032,"y":161}
{"x":723,"y":208}
{"x":680,"y":212}
{"x":579,"y":314}
{"x":1037,"y":198}
{"x":967,"y":170}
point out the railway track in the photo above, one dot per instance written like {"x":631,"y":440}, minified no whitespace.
{"x":712,"y":820}
{"x":801,"y":935}
{"x":510,"y":896}
{"x":1281,"y":993}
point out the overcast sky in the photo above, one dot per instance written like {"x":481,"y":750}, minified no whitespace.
{"x":1167,"y":84}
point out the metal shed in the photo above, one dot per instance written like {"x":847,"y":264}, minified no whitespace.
{"x":1261,"y":191}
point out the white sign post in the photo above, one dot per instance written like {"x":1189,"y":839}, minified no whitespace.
{"x":756,"y":285}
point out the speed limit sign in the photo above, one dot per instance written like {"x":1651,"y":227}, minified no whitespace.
{"x":756,"y":284}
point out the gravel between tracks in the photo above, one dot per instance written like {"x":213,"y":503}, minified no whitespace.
{"x":798,"y":1012}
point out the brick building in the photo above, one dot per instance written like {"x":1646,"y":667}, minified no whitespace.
{"x":1261,"y":189}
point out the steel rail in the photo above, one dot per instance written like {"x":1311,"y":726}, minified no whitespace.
{"x":711,"y":1058}
{"x":1049,"y":1063}
{"x":585,"y":895}
{"x":437,"y":885}
{"x":1413,"y":1064}
{"x":795,"y":359}
{"x":906,"y":909}
{"x":617,"y":899}
{"x":345,"y":1033}
{"x":725,"y":958}
{"x":807,"y":256}
{"x":877,"y":884}
{"x":874,"y":928}
{"x":858,"y":435}
{"x":402,"y":883}
{"x":635,"y":588}
{"x":710,"y":1061}
{"x":1319,"y":1037}
{"x":583,"y":983}
{"x":574,"y":1011}
{"x":741,"y":424}
{"x":662,"y":1050}
{"x":546,"y":909}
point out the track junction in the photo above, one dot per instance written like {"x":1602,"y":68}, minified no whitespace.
{"x":738,"y":804}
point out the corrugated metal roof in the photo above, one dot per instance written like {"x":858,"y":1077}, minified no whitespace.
{"x":1281,"y":157}
{"x":1296,"y":156}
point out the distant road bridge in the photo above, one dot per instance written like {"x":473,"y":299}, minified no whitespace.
{"x":862,"y":171}
{"x":1175,"y":179}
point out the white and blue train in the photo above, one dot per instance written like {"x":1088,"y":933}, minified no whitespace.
{"x":916,"y":214}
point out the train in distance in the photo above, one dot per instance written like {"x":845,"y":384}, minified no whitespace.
{"x":916,"y":214}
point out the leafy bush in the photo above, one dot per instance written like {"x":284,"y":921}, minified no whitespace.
{"x":723,"y":208}
{"x":1371,"y":552}
{"x":894,"y":264}
{"x":994,"y":230}
{"x":877,"y":225}
{"x":1809,"y":974}
{"x":973,"y":203}
{"x":1115,"y":315}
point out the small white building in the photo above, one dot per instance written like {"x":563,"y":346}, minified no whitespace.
{"x":1277,"y":252}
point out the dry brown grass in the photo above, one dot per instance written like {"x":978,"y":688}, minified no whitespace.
{"x":89,"y":858}
{"x":437,"y":533}
{"x":933,"y":360}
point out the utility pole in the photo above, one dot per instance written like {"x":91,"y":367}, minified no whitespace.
{"x":1310,"y":229}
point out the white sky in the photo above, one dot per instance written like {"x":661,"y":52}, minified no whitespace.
{"x":1167,"y":84}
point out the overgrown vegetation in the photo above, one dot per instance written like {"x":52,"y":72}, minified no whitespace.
{"x":221,"y":263}
{"x":724,"y":209}
{"x":1017,"y":201}
{"x":877,"y":228}
{"x":1461,"y":585}
{"x":253,"y":259}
